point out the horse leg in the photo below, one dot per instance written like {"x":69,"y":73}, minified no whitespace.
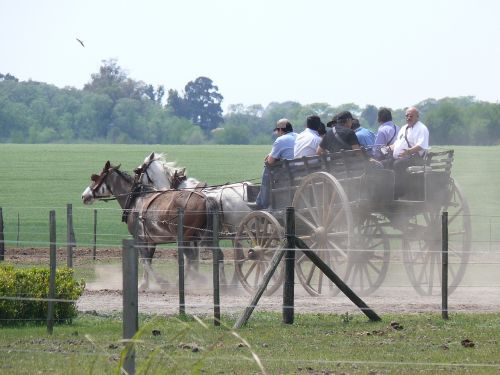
{"x":147,"y":253}
{"x":222,"y":272}
{"x":146,"y":258}
{"x":192,"y":255}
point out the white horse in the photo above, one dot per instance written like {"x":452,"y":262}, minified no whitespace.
{"x":231,"y":198}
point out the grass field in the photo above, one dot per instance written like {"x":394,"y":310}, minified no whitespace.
{"x":35,"y":179}
{"x":314,"y":344}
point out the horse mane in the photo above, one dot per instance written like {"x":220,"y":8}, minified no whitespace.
{"x":169,"y":166}
{"x":120,"y":172}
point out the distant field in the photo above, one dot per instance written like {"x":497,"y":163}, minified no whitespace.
{"x":35,"y":179}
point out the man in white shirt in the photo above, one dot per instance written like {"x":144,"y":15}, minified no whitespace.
{"x":308,"y":141}
{"x":409,"y":148}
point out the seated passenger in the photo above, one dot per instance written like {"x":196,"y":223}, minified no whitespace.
{"x":340,"y":136}
{"x":365,"y":136}
{"x":282,"y":149}
{"x":386,"y":135}
{"x":307,"y":142}
{"x":409,"y":148}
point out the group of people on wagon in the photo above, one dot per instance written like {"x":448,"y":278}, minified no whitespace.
{"x":392,"y":147}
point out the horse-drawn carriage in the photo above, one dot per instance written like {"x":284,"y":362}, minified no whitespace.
{"x":346,"y":212}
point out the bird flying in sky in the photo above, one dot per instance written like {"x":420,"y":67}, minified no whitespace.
{"x":79,"y":41}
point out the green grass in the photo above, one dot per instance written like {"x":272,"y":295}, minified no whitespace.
{"x":314,"y":344}
{"x":35,"y":179}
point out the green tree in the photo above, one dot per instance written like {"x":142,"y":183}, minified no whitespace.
{"x":201,"y":104}
{"x":369,"y":114}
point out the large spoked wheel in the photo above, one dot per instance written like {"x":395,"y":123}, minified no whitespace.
{"x":323,"y":220}
{"x":370,"y":255}
{"x":422,"y":245}
{"x":257,"y":239}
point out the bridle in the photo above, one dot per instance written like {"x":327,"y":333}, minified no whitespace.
{"x":143,"y":169}
{"x":100,"y":180}
{"x":175,"y":180}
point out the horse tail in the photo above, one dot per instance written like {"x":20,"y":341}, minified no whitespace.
{"x":212,"y":206}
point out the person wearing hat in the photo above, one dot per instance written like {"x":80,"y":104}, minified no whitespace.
{"x":282,"y":149}
{"x":308,"y":141}
{"x":340,"y":136}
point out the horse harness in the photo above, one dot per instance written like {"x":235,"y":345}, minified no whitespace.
{"x":149,"y":201}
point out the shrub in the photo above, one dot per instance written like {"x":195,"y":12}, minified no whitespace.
{"x":22,"y":294}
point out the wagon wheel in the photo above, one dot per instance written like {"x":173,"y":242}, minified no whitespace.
{"x":258,"y":237}
{"x":369,"y":259}
{"x":422,"y":245}
{"x":324,"y":222}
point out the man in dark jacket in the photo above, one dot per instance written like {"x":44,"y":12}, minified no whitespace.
{"x":340,"y":136}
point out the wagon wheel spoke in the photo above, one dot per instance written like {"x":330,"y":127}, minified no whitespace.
{"x":303,"y":219}
{"x":262,"y":233}
{"x":249,"y":233}
{"x":311,"y":273}
{"x":310,"y":209}
{"x":250,"y":269}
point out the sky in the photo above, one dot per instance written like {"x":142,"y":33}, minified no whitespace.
{"x":392,"y":53}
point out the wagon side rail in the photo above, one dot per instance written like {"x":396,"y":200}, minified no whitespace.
{"x":348,"y":167}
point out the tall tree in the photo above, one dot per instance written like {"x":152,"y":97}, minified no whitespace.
{"x":369,"y":114}
{"x":201,"y":104}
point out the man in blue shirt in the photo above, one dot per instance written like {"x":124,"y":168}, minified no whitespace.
{"x":366,"y":137}
{"x":386,"y":134}
{"x":282,"y":149}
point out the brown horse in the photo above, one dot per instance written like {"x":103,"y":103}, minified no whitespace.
{"x":157,"y":219}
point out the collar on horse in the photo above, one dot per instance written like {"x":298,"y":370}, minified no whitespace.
{"x":138,"y":189}
{"x":177,"y":179}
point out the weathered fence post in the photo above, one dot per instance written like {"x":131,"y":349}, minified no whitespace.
{"x":130,"y":302}
{"x":94,"y":250}
{"x":2,"y":247}
{"x":216,"y":264}
{"x":180,"y":260}
{"x":69,"y":235}
{"x":52,"y":276}
{"x":18,"y":229}
{"x":444,"y":266}
{"x":288,"y":286}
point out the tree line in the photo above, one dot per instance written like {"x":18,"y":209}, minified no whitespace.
{"x":113,"y":108}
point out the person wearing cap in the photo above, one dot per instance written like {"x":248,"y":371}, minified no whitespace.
{"x":340,"y":136}
{"x":365,"y":136}
{"x":282,"y":149}
{"x":307,"y":142}
{"x":386,"y":134}
{"x":412,"y":142}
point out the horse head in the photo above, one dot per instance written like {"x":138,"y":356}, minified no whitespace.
{"x":156,"y":171}
{"x":99,"y":188}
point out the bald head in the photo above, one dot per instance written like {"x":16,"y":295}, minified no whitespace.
{"x":412,"y":115}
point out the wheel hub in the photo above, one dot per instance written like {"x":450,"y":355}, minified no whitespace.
{"x":319,"y":235}
{"x":253,"y":254}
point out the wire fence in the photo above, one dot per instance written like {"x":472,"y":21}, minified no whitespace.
{"x":391,"y":275}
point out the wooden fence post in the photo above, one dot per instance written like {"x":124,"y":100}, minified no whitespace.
{"x":94,"y":250}
{"x":216,"y":264}
{"x":288,"y":286}
{"x":52,"y":277}
{"x":69,"y":235}
{"x":2,"y":247}
{"x":180,"y":260}
{"x":130,"y":301}
{"x":18,"y":229}
{"x":444,"y":266}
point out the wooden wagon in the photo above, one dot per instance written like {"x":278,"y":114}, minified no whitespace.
{"x":346,"y":212}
